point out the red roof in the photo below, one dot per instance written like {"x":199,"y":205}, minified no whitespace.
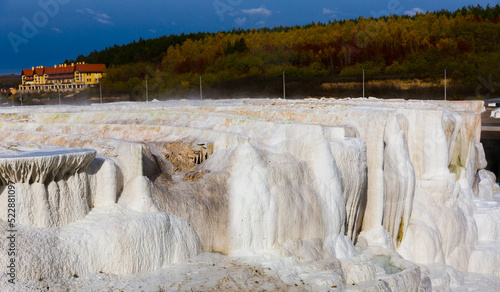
{"x":39,"y":71}
{"x":91,"y":68}
{"x":60,"y":70}
{"x":27,"y":72}
{"x":83,"y":68}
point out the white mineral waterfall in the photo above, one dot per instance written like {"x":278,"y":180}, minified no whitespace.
{"x":52,"y":189}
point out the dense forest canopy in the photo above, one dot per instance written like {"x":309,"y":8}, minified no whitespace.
{"x":465,"y":42}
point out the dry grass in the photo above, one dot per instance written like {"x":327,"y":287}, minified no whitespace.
{"x":394,"y":83}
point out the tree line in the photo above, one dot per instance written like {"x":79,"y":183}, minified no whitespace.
{"x":466,"y":42}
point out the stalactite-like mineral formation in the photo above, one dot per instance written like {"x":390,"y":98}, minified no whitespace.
{"x":348,"y":194}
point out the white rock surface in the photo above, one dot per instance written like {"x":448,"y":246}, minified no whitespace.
{"x":113,"y":239}
{"x":52,"y":188}
{"x":291,"y":185}
{"x":43,"y":166}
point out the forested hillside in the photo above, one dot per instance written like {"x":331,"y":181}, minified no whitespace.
{"x":465,"y":42}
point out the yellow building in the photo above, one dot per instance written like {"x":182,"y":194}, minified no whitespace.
{"x":9,"y":91}
{"x":64,"y":77}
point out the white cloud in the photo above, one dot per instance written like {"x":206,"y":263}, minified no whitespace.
{"x":261,"y":23}
{"x":100,"y":17}
{"x":153,"y":30}
{"x":413,"y":11}
{"x":56,"y":30}
{"x":261,"y":11}
{"x":103,"y":20}
{"x":330,"y":12}
{"x":240,"y":21}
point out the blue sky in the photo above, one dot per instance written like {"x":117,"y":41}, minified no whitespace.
{"x":46,"y":32}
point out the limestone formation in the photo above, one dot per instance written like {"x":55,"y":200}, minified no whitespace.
{"x":361,"y":194}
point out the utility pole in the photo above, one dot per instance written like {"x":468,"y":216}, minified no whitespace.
{"x":147,"y":97}
{"x":284,"y":89}
{"x":363,"y":83}
{"x":444,"y":83}
{"x":59,"y":92}
{"x":100,"y":90}
{"x":201,"y":89}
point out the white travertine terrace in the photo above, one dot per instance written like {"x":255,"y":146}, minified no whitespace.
{"x":43,"y":166}
{"x":331,"y":192}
